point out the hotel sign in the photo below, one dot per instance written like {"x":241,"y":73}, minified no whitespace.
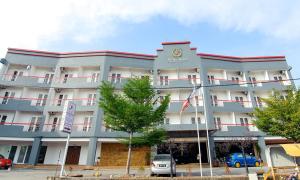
{"x":68,"y":117}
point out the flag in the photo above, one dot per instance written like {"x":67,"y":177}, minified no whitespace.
{"x":187,"y":102}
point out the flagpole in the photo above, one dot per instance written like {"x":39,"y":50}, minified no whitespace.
{"x":206,"y":126}
{"x":198,"y":135}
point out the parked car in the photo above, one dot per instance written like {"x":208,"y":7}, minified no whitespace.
{"x":237,"y":160}
{"x":5,"y":163}
{"x":161,"y":164}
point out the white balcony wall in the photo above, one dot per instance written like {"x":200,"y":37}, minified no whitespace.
{"x":218,"y":75}
{"x":171,"y":73}
{"x":250,"y":119}
{"x":10,"y":116}
{"x":24,"y":119}
{"x":87,"y":73}
{"x":226,"y":120}
{"x":187,"y":118}
{"x":260,"y":76}
{"x":70,"y":71}
{"x":40,"y":73}
{"x":68,"y":92}
{"x":17,"y":93}
{"x":222,"y":96}
{"x":83,"y":95}
{"x":173,"y":118}
{"x":282,"y":74}
{"x":79,"y":118}
{"x":184,"y":73}
{"x":246,"y":100}
{"x":20,"y":68}
{"x":33,"y":94}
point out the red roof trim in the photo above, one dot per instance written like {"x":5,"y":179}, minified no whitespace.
{"x":240,"y":58}
{"x":84,"y":52}
{"x":88,"y":55}
{"x":244,"y":60}
{"x":194,"y":48}
{"x":178,"y":42}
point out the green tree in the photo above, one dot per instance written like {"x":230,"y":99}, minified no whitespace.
{"x":281,"y":116}
{"x":135,"y":110}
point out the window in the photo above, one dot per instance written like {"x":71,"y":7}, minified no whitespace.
{"x":197,"y":100}
{"x":115,"y":78}
{"x":211,"y":79}
{"x":240,"y":100}
{"x":55,"y":124}
{"x":278,"y":79}
{"x":258,"y":101}
{"x":41,"y":100}
{"x":253,"y":81}
{"x":218,"y":124}
{"x":34,"y":125}
{"x":62,"y":99}
{"x":15,"y":75}
{"x":3,"y":119}
{"x":167,"y":121}
{"x":91,"y":100}
{"x":214,"y":100}
{"x":164,"y":80}
{"x":244,"y":122}
{"x":7,"y":96}
{"x":87,"y":123}
{"x":66,"y":77}
{"x":95,"y":77}
{"x":235,"y":79}
{"x":24,"y":154}
{"x":193,"y":120}
{"x":48,"y":78}
{"x":192,"y":79}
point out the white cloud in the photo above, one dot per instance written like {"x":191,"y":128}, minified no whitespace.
{"x":30,"y":23}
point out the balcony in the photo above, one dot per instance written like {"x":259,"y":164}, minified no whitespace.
{"x":232,"y":106}
{"x":176,"y":105}
{"x":19,"y":104}
{"x":77,"y":82}
{"x":82,"y":104}
{"x":35,"y":81}
{"x":183,"y":127}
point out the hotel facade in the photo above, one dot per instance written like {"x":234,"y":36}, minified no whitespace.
{"x":36,"y":84}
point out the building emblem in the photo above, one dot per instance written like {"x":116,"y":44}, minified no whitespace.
{"x":177,"y":52}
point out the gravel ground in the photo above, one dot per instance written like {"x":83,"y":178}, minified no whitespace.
{"x":32,"y":174}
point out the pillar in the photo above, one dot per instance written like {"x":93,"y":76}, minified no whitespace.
{"x":263,"y":149}
{"x":212,"y":148}
{"x":91,"y":155}
{"x":35,"y":151}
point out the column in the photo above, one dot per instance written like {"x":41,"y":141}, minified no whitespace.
{"x":212,"y":148}
{"x":91,"y":155}
{"x":35,"y":151}
{"x":263,"y":149}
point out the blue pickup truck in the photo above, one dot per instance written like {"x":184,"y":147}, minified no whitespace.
{"x":237,"y":160}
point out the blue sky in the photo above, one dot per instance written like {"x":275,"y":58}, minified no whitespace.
{"x":227,"y":27}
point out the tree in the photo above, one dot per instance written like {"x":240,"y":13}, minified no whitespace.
{"x":281,"y":116}
{"x":135,"y":110}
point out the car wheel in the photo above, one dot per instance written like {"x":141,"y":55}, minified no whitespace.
{"x":174,"y":175}
{"x":152,"y":174}
{"x":257,"y":164}
{"x":237,"y":165}
{"x":6,"y":167}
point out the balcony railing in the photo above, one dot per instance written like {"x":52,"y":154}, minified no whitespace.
{"x":77,"y":127}
{"x":220,"y":103}
{"x":224,"y":126}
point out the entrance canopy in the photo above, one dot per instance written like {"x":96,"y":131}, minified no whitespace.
{"x":292,"y":149}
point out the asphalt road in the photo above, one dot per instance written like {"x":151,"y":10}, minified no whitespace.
{"x":32,"y":174}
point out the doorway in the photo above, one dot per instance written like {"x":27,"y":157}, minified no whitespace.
{"x":73,"y":155}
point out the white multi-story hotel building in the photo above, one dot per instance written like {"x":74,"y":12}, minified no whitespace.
{"x":35,"y":85}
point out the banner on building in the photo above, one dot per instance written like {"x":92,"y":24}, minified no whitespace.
{"x":68,"y":117}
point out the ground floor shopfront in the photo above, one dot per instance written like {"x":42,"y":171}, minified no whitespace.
{"x":108,"y":152}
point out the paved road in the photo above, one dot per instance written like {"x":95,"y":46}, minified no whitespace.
{"x":32,"y":174}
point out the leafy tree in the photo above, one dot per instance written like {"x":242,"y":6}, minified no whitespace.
{"x":281,"y":117}
{"x":135,"y":110}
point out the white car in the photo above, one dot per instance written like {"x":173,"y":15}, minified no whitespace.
{"x":161,"y":164}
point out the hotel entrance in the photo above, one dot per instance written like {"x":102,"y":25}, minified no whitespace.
{"x":185,"y":152}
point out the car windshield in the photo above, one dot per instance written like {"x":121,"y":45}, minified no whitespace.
{"x":162,"y":157}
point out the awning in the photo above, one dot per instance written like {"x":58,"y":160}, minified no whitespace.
{"x":292,"y":149}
